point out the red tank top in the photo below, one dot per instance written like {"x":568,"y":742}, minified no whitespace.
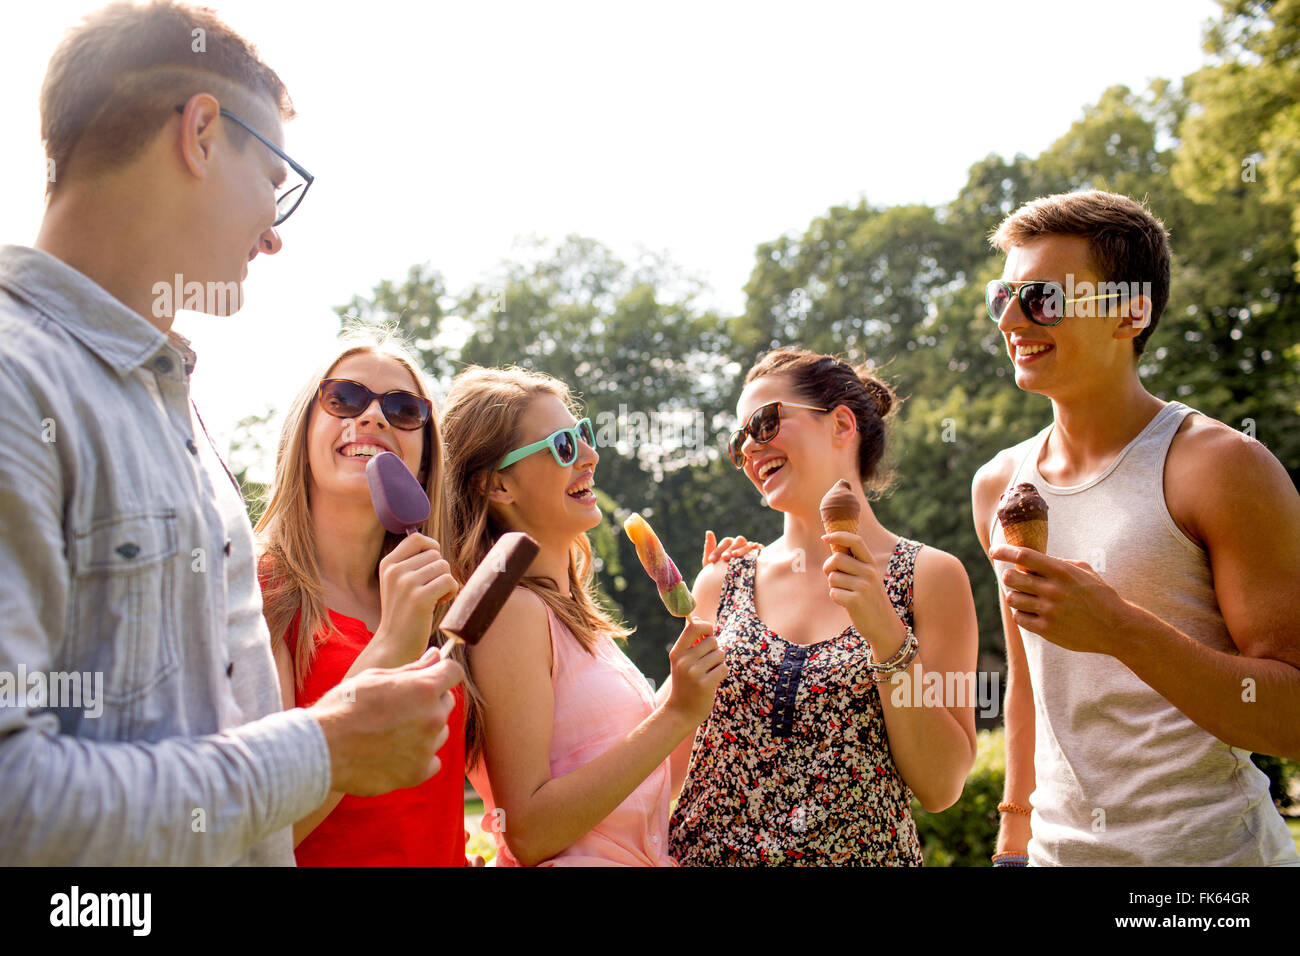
{"x":418,"y":826}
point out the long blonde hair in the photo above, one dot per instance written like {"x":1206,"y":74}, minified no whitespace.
{"x":480,"y":421}
{"x":287,"y":565}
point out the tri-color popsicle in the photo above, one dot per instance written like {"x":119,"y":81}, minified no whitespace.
{"x":672,"y":589}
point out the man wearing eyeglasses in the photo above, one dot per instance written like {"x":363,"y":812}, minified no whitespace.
{"x":1153,"y":646}
{"x":146,"y":725}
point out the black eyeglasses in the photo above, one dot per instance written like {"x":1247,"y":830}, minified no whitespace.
{"x":290,"y":193}
{"x":343,"y":398}
{"x":763,"y":426}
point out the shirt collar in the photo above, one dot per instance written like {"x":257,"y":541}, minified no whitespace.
{"x":115,"y":333}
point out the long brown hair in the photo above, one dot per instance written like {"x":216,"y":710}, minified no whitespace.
{"x":287,"y":564}
{"x":480,"y":423}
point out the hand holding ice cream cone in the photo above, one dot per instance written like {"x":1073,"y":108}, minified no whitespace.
{"x":1022,"y":512}
{"x":840,"y":511}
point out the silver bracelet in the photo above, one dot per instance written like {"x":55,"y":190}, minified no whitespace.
{"x":899,"y":662}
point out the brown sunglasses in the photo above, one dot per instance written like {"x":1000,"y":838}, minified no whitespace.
{"x":344,"y":398}
{"x":763,"y":426}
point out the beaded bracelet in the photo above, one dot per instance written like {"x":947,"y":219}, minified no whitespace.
{"x":1010,"y":859}
{"x":899,"y":662}
{"x":1013,"y":808}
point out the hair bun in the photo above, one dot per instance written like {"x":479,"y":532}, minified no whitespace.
{"x":880,"y":393}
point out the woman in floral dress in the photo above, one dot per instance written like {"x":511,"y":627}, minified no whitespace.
{"x":824,"y":729}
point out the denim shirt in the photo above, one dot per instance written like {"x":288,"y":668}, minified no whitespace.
{"x":127,"y":564}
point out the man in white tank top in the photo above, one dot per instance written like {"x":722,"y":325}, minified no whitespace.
{"x":1153,"y":645}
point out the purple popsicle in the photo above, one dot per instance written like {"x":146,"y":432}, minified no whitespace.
{"x":399,"y":498}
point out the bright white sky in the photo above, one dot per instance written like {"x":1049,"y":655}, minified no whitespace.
{"x":441,"y":132}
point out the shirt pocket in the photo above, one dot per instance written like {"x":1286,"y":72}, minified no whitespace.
{"x":123,"y":621}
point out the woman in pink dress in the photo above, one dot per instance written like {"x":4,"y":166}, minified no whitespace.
{"x":567,"y":746}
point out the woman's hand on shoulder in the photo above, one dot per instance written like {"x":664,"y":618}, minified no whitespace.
{"x":726,"y":549}
{"x":413,"y":579}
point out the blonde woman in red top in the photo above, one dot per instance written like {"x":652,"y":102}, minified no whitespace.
{"x":367,"y":597}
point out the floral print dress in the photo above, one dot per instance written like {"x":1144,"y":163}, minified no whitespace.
{"x":792,"y":767}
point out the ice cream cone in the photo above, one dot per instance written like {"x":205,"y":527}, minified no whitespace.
{"x":1022,"y":512}
{"x":843,"y":524}
{"x":840,"y":510}
{"x":1026,"y":534}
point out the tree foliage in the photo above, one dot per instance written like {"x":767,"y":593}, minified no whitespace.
{"x":902,"y":287}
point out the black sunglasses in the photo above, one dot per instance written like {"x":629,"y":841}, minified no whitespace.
{"x":1042,"y":302}
{"x":763,"y":426}
{"x":347,"y":399}
{"x":290,"y":194}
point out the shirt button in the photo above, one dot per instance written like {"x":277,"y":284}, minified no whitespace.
{"x":189,"y":443}
{"x":230,"y":669}
{"x":227,"y":549}
{"x":654,"y":839}
{"x":162,"y":364}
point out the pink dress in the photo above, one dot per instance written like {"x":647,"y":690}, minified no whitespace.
{"x":599,"y":699}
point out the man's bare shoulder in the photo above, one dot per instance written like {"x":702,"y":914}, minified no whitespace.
{"x":987,"y":486}
{"x":1212,"y":469}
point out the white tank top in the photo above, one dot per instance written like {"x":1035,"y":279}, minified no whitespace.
{"x":1122,"y":777}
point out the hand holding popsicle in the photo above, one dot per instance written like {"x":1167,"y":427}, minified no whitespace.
{"x":697,"y":668}
{"x":414,"y":579}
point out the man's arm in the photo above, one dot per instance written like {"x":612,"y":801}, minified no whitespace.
{"x":1232,"y":496}
{"x":69,"y":800}
{"x":1018,"y":708}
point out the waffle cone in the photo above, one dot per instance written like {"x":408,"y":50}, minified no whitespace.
{"x":842,"y":524}
{"x":1026,"y":534}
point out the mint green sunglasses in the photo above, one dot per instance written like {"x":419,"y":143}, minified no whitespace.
{"x":563,"y":445}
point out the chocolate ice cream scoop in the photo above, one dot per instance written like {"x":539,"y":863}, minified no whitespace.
{"x":1022,"y":513}
{"x":840,"y":511}
{"x":840,"y":503}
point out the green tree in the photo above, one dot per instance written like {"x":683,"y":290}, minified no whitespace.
{"x":651,"y":369}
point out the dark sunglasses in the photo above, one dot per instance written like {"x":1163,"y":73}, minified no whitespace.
{"x":346,"y":399}
{"x":562,"y":443}
{"x":1042,"y":302}
{"x":763,"y":426}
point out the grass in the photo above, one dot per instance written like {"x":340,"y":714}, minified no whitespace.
{"x":480,"y":843}
{"x":1293,"y":824}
